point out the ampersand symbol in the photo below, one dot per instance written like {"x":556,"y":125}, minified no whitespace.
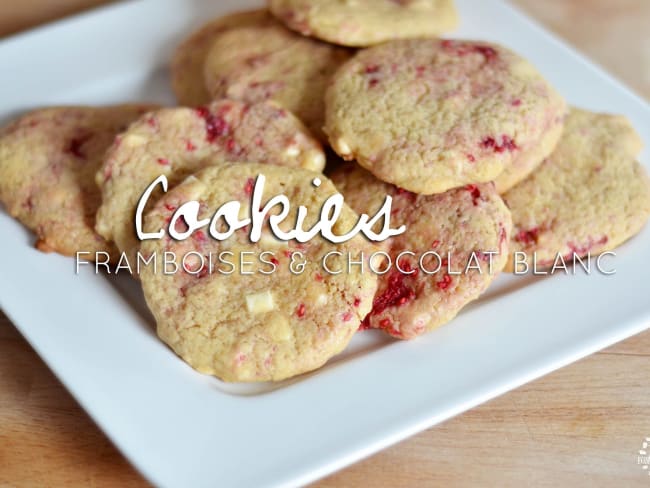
{"x":298,"y":263}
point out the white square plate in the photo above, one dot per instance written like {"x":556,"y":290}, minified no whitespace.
{"x":184,"y":429}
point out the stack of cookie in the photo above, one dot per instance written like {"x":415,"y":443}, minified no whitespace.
{"x":474,"y":147}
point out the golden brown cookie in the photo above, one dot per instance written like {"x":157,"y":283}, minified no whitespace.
{"x":179,"y":141}
{"x":272,"y":63}
{"x":48,"y":161}
{"x":366,"y":22}
{"x":589,"y":196}
{"x":189,"y":58}
{"x":270,"y":324}
{"x":429,"y":115}
{"x":464,"y":231}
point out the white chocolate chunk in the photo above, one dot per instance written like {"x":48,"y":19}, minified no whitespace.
{"x":260,"y":302}
{"x":279,"y":328}
{"x":134,"y":140}
{"x":342,"y":147}
{"x":190,"y":179}
{"x":293,"y":150}
{"x":314,"y":160}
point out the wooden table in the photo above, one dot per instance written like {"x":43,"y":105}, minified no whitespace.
{"x":580,"y":426}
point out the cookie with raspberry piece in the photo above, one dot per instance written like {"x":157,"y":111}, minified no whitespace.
{"x":272,"y":63}
{"x":179,"y":141}
{"x":464,"y":231}
{"x":189,"y":58}
{"x":48,"y":161}
{"x":366,"y":22}
{"x":529,"y":159}
{"x":271,"y":324}
{"x":589,"y":196}
{"x":429,"y":115}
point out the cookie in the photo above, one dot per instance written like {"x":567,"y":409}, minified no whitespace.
{"x":189,"y":57}
{"x":589,"y":196}
{"x":179,"y":141}
{"x":272,"y":63}
{"x":48,"y":161}
{"x":464,"y":231}
{"x":255,"y":327}
{"x":430,"y":115}
{"x":526,"y":162}
{"x":366,"y":22}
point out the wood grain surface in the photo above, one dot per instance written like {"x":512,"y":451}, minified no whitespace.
{"x":580,"y":426}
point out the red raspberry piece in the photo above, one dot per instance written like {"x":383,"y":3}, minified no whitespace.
{"x":528,"y":237}
{"x":475,"y":192}
{"x":385,"y":324}
{"x":249,"y":186}
{"x":215,"y":125}
{"x":488,"y":52}
{"x":445,"y":282}
{"x":507,"y":144}
{"x":396,"y":294}
{"x":301,"y":310}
